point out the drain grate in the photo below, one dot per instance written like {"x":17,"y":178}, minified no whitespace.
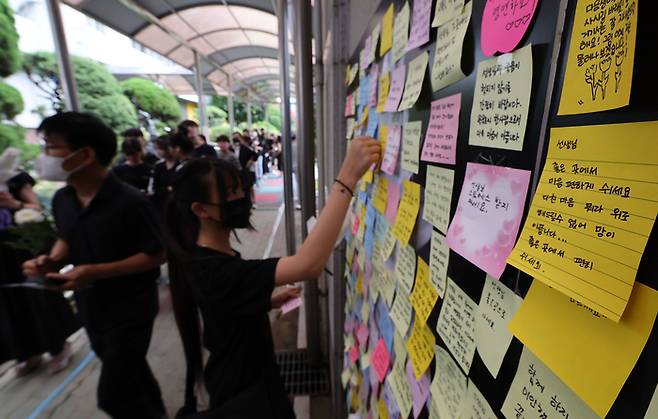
{"x":300,"y":378}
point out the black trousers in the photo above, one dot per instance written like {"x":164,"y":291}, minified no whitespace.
{"x":127,"y":387}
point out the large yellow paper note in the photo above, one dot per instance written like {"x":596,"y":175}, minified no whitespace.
{"x":497,"y":306}
{"x":446,"y":67}
{"x":456,"y":325}
{"x":536,"y":391}
{"x":590,"y":354}
{"x":405,"y":220}
{"x":475,"y":406}
{"x":401,"y":32}
{"x":439,"y":255}
{"x":501,"y":101}
{"x":405,"y":268}
{"x":381,"y":191}
{"x":424,"y":295}
{"x":438,"y":196}
{"x":448,"y":386}
{"x":445,"y":10}
{"x":414,"y":83}
{"x":397,"y":380}
{"x":384,"y":85}
{"x":387,"y":31}
{"x":599,"y":70}
{"x":411,"y":145}
{"x":592,"y":213}
{"x":401,"y":312}
{"x":420,"y":347}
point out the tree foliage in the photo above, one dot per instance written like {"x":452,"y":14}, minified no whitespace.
{"x":13,"y":135}
{"x":10,"y":56}
{"x":151,"y":98}
{"x":11,"y":101}
{"x":99,"y":91}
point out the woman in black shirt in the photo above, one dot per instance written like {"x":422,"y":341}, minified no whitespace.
{"x":233,"y":294}
{"x":134,"y":171}
{"x":163,"y":172}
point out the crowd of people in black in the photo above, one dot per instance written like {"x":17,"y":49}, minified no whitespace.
{"x":176,"y":202}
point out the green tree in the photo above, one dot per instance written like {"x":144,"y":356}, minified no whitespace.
{"x":13,"y":135}
{"x":153,"y":99}
{"x":99,"y":91}
{"x":10,"y":56}
{"x":11,"y":101}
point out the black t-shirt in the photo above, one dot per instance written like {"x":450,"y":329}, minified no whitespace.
{"x":204,"y":150}
{"x":162,"y":180}
{"x":136,"y":176}
{"x":246,"y":154}
{"x":234,"y":296}
{"x":118,"y":223}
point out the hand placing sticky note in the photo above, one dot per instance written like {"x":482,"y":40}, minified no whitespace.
{"x":291,"y":304}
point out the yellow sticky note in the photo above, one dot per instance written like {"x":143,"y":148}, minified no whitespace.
{"x":414,"y":82}
{"x":384,"y":85}
{"x":364,"y":117}
{"x":456,"y":324}
{"x":405,"y":219}
{"x":359,"y":283}
{"x":400,"y":348}
{"x":420,"y":347}
{"x":401,"y":312}
{"x":448,"y":387}
{"x":388,"y":245}
{"x":401,"y":32}
{"x":365,"y":311}
{"x":387,"y":287}
{"x":590,"y":354}
{"x":411,"y":131}
{"x":347,"y":75}
{"x":439,"y":255}
{"x":424,"y":296}
{"x":387,"y":31}
{"x":446,"y":67}
{"x":397,"y":380}
{"x":599,"y":70}
{"x":592,"y":213}
{"x":381,"y":194}
{"x":535,"y":388}
{"x":438,"y":196}
{"x":374,"y":36}
{"x":499,"y":115}
{"x":445,"y":10}
{"x":405,"y":268}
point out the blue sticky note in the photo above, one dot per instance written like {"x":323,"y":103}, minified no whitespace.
{"x":385,"y":324}
{"x":373,"y":123}
{"x":364,"y":91}
{"x":369,"y":237}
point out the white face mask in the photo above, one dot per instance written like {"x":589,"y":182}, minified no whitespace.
{"x":50,"y":168}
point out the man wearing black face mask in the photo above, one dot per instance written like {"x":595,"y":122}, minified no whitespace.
{"x":110,"y":233}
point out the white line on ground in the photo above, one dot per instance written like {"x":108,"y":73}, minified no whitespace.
{"x":270,"y":241}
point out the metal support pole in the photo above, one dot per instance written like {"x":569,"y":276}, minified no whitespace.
{"x":249,"y":122}
{"x":319,"y":103}
{"x":198,"y":79}
{"x":231,"y":111}
{"x":67,"y":78}
{"x":284,"y":66}
{"x":304,"y":67}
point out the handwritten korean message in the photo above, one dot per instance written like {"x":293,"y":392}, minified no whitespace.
{"x":438,"y":195}
{"x":446,"y":67}
{"x":441,"y":138}
{"x":414,"y":83}
{"x":411,"y":145}
{"x":456,"y":325}
{"x":504,"y":22}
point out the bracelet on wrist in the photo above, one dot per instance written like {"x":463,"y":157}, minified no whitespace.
{"x":344,"y":186}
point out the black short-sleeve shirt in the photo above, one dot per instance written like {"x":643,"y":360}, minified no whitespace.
{"x":137,"y":176}
{"x":118,"y":223}
{"x":234,"y":296}
{"x":204,"y":150}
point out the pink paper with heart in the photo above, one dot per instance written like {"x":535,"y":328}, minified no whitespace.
{"x":504,"y":22}
{"x":380,"y":359}
{"x":486,"y":223}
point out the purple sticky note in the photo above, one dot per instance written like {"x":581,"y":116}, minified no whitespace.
{"x":291,"y":304}
{"x":419,"y":389}
{"x":396,"y":89}
{"x":488,"y":215}
{"x":420,"y":24}
{"x":389,"y":399}
{"x":441,"y":138}
{"x":393,"y":201}
{"x":362,"y":335}
{"x":390,"y":161}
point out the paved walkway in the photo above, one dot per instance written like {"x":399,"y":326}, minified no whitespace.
{"x":71,"y":393}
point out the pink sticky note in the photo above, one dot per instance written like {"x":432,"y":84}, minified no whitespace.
{"x":392,"y":201}
{"x":291,"y":304}
{"x":355,"y":225}
{"x":395,"y":89}
{"x":504,"y":23}
{"x":362,"y":334}
{"x":390,"y":160}
{"x":419,"y":389}
{"x":488,"y":215}
{"x":380,"y":359}
{"x":374,"y":79}
{"x":441,"y":138}
{"x":348,"y":105}
{"x":354,"y":353}
{"x":420,"y":24}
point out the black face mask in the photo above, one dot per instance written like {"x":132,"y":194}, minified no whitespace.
{"x":237,"y":213}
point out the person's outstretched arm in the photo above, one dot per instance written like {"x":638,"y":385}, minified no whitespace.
{"x":311,"y":258}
